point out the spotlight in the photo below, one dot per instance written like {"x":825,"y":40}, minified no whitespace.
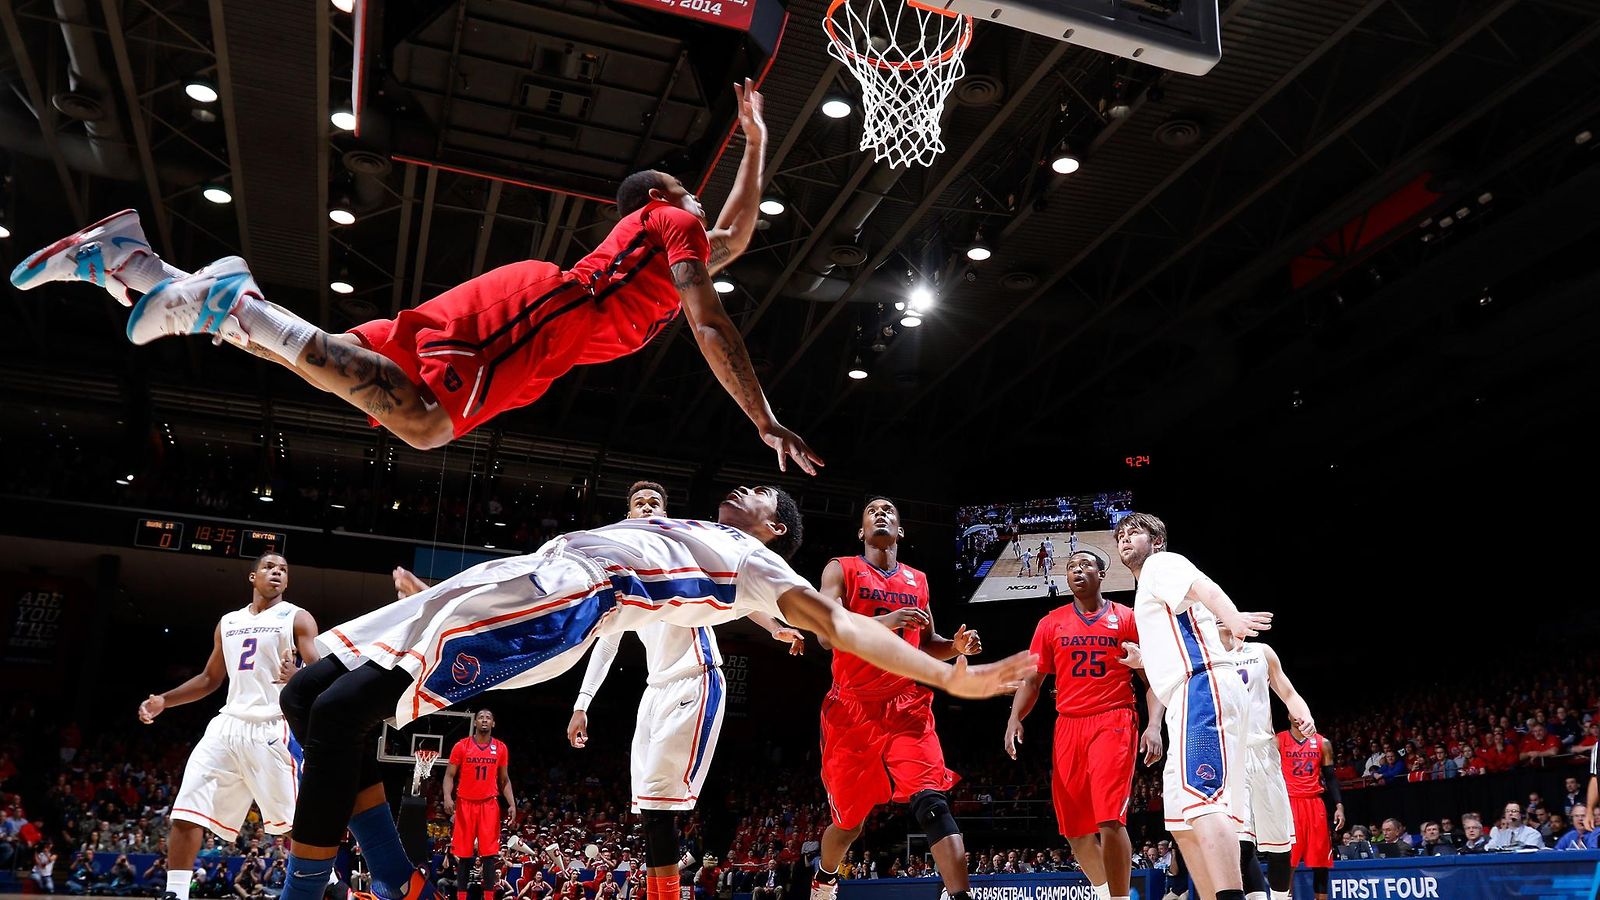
{"x":979,"y":251}
{"x":921,"y":298}
{"x":1485,"y":298}
{"x":836,"y":107}
{"x":344,"y":6}
{"x":900,"y":306}
{"x":772,"y":206}
{"x":341,"y":287}
{"x":200,"y":90}
{"x":217,"y":192}
{"x":123,"y":481}
{"x":911,"y":319}
{"x":4,"y":231}
{"x":723,"y":285}
{"x":343,"y":119}
{"x":857,"y":371}
{"x":1065,"y":162}
{"x":341,"y":215}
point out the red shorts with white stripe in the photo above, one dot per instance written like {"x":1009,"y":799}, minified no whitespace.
{"x":493,"y":343}
{"x":879,"y":750}
{"x":1092,"y":779}
{"x":1312,"y":842}
{"x":476,"y":821}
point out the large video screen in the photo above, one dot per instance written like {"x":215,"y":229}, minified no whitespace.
{"x":1016,"y":551}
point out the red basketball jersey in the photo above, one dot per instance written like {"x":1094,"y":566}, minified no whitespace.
{"x":630,"y":273}
{"x":478,"y":767}
{"x":1302,"y":764}
{"x":1082,"y":652}
{"x":872,"y":592}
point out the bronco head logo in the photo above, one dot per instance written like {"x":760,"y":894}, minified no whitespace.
{"x":465,"y":669}
{"x":1204,"y":772}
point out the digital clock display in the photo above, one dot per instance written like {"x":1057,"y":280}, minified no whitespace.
{"x":207,"y":538}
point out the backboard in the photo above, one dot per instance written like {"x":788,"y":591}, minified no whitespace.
{"x":1180,"y":35}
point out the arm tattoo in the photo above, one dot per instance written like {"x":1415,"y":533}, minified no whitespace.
{"x":688,"y":274}
{"x":379,"y":382}
{"x":746,"y":390}
{"x":720,"y":252}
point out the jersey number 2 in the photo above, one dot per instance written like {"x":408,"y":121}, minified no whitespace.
{"x":1303,"y":767}
{"x":247,"y":658}
{"x":1087,"y":663}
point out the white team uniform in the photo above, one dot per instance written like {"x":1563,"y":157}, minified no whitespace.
{"x":1261,"y":797}
{"x":1027,"y":563}
{"x":519,"y":621}
{"x":247,"y":752}
{"x":1191,"y":673}
{"x":680,"y":714}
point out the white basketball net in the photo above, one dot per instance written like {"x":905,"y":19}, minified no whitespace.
{"x":422,"y":761}
{"x":907,"y":58}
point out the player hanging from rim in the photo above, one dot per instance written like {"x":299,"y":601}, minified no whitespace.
{"x":680,"y":718}
{"x":1264,"y":802}
{"x":247,"y":753}
{"x":522,"y":620}
{"x":878,"y":741}
{"x":1310,"y":780}
{"x":491,"y":344}
{"x":1177,"y":609}
{"x":479,"y":770}
{"x":1097,"y":724}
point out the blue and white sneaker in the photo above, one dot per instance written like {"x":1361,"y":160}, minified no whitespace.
{"x":93,"y":255}
{"x":198,"y":303}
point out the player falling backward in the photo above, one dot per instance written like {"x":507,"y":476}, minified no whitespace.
{"x":1177,"y":610}
{"x":1089,"y":645}
{"x":247,"y":753}
{"x":522,"y":620}
{"x":488,"y":345}
{"x":679,"y":721}
{"x":878,"y":740}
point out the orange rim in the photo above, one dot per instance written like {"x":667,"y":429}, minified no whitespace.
{"x":960,"y":46}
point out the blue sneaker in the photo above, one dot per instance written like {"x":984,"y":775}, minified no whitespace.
{"x":93,"y":255}
{"x":198,"y":303}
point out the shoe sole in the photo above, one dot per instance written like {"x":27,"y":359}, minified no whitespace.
{"x":20,"y":280}
{"x":137,"y":314}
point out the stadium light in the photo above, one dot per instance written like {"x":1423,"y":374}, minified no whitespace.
{"x":723,"y":285}
{"x":341,"y":215}
{"x":217,"y":192}
{"x":344,"y":6}
{"x":836,"y":107}
{"x":200,"y":90}
{"x":921,"y":298}
{"x":772,"y":206}
{"x":343,"y":119}
{"x":1065,"y":162}
{"x":911,"y":319}
{"x":979,"y":251}
{"x":857,"y":370}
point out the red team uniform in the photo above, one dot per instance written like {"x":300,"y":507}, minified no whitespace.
{"x":497,"y":342}
{"x":477,"y":796}
{"x":1302,"y":774}
{"x":1097,"y":725}
{"x":878,"y":742}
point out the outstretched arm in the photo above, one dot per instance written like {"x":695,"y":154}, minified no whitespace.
{"x":781,"y":632}
{"x":1299,"y":712}
{"x":723,"y":348}
{"x":736,"y":224}
{"x":859,"y":635}
{"x":1242,"y":624}
{"x":214,"y":675}
{"x":600,"y":659}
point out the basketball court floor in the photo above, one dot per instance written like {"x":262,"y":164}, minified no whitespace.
{"x":1005,"y":581}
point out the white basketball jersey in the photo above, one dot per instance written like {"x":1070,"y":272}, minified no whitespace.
{"x":672,"y":651}
{"x":251,"y":646}
{"x":1250,"y":660}
{"x":1178,"y":637}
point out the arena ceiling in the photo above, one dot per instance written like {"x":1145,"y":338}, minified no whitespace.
{"x":1258,"y":258}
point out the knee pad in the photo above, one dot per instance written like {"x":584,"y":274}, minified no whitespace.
{"x":1319,"y":881}
{"x":660,"y":837}
{"x":931,"y":811}
{"x":1279,"y":875}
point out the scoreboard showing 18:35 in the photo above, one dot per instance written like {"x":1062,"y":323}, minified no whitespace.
{"x":208,"y":538}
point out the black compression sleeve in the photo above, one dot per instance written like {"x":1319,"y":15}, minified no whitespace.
{"x":1330,"y":784}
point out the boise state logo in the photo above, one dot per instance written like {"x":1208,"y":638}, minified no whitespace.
{"x":452,"y":379}
{"x":1204,"y":772}
{"x":465,"y":669}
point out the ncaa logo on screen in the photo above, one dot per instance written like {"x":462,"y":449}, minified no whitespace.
{"x":465,"y":669}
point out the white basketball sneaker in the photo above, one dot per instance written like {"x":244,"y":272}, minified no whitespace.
{"x":94,"y":255}
{"x":201,"y":302}
{"x":824,"y":890}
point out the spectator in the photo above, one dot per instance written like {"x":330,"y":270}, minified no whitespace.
{"x":769,"y":884}
{"x":1356,"y":844}
{"x":1553,"y":827}
{"x":1473,"y":840}
{"x":1434,"y":842}
{"x":44,"y":867}
{"x":154,"y":877}
{"x":1442,"y":766}
{"x":1579,"y":836}
{"x":1447,"y":830}
{"x":1499,"y":756}
{"x":1573,"y":796}
{"x":1395,"y":840}
{"x":1540,"y":744}
{"x":1470,"y":763}
{"x":277,"y":875}
{"x":122,"y":880}
{"x":1565,"y":728}
{"x":1513,"y":833}
{"x":1392,"y":769}
{"x":82,"y":877}
{"x":535,"y":888}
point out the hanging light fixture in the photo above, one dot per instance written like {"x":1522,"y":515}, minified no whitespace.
{"x":772,"y":206}
{"x":723,"y":284}
{"x":979,"y":251}
{"x":858,"y":371}
{"x":200,"y":90}
{"x":1065,"y":162}
{"x":217,"y":192}
{"x":343,"y":119}
{"x":836,"y":106}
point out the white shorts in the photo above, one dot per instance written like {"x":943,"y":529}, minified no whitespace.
{"x":1263,"y":803}
{"x":234,"y":763}
{"x":674,"y":738}
{"x":1204,"y":764}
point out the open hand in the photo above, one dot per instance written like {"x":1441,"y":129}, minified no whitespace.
{"x":1250,"y":624}
{"x":992,"y":679}
{"x":790,"y":446}
{"x":406,"y":584}
{"x":750,"y":107}
{"x":967,"y":643}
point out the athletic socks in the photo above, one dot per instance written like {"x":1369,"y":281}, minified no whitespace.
{"x":143,"y":271}
{"x":1280,"y":895}
{"x":273,"y":327}
{"x":1256,"y":895}
{"x":1231,"y":895}
{"x":178,"y":883}
{"x":375,"y":831}
{"x":661,"y":887}
{"x":823,"y":876}
{"x":308,"y":878}
{"x":1102,"y":891}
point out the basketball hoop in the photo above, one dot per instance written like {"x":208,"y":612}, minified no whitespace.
{"x":907,"y":57}
{"x":422,"y":761}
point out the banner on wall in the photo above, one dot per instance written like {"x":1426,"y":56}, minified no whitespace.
{"x":1567,"y":875}
{"x":38,"y":612}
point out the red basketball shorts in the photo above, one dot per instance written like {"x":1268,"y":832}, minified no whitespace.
{"x":1092,"y":779}
{"x":476,"y":820}
{"x":493,"y":343}
{"x":877,"y":751}
{"x":1311,"y":840}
